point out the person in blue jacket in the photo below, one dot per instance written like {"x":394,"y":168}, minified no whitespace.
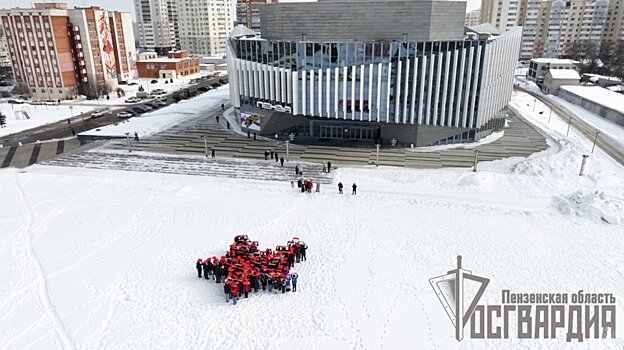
{"x":293,"y":279}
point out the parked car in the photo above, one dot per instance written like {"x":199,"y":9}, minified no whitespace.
{"x":36,"y":102}
{"x":203,"y":88}
{"x":147,"y":107}
{"x":124,"y":114}
{"x":98,"y":113}
{"x":133,"y":100}
{"x":159,"y":103}
{"x":132,"y":84}
{"x":14,"y":101}
{"x":123,"y":82}
{"x":92,"y":98}
{"x":162,"y":98}
{"x":52,"y":102}
{"x":138,"y":110}
{"x":154,"y":81}
{"x":153,"y":105}
{"x":215,"y":85}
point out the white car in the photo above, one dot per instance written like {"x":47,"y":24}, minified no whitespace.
{"x":124,"y":114}
{"x":51,"y":102}
{"x":99,"y":113}
{"x":133,"y":100}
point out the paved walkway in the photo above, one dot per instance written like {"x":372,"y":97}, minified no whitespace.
{"x":187,"y":139}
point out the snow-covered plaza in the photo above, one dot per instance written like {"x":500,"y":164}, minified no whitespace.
{"x":104,"y":259}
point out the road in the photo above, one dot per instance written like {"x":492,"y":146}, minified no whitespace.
{"x":79,"y":123}
{"x":603,"y":142}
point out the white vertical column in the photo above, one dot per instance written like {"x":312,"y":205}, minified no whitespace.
{"x":474,"y":85}
{"x":430,"y":89}
{"x":379,"y":70}
{"x":312,"y":97}
{"x":445,"y":91}
{"x":437,"y":90}
{"x":320,"y":92}
{"x":267,"y":82}
{"x":289,"y":85}
{"x":344,"y":92}
{"x":421,"y":95}
{"x":294,"y":95}
{"x":406,"y":89}
{"x":397,"y":92}
{"x":304,"y":92}
{"x":362,"y":92}
{"x":388,"y":90}
{"x":370,"y":90}
{"x":468,"y":86}
{"x":460,"y":81}
{"x":414,"y":86}
{"x":283,"y":84}
{"x":353,"y":79}
{"x":256,"y":80}
{"x":336,"y":91}
{"x":271,"y":73}
{"x":328,"y":91}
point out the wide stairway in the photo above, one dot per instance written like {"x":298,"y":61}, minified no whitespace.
{"x":185,"y":165}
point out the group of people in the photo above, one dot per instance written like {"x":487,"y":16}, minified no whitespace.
{"x":306,"y":186}
{"x":245,"y":268}
{"x":353,"y":187}
{"x":274,"y":155}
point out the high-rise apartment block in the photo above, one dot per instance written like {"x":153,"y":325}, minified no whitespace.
{"x":205,"y":25}
{"x":57,"y":52}
{"x":158,"y":24}
{"x":473,"y":18}
{"x":248,"y":12}
{"x":556,"y":28}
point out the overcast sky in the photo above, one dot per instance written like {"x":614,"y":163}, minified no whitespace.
{"x":128,"y":5}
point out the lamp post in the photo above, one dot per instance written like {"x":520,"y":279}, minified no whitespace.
{"x":476,"y":160}
{"x":583,"y":164}
{"x":128,"y":142}
{"x":287,"y":150}
{"x":377,"y":155}
{"x":205,"y":146}
{"x":569,"y":122}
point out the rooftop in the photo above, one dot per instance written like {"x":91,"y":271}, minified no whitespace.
{"x":554,"y":61}
{"x":598,"y":95}
{"x":564,"y":74}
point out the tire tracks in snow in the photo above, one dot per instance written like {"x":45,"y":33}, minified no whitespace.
{"x":57,"y":324}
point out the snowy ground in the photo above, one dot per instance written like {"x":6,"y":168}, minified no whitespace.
{"x":94,"y":259}
{"x":150,"y":123}
{"x":39,"y":115}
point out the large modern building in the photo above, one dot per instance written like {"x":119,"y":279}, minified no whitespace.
{"x":410,"y":73}
{"x":204,"y":25}
{"x":158,"y":25}
{"x":57,"y":53}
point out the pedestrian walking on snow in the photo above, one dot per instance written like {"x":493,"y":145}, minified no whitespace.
{"x":254,"y":136}
{"x":217,"y":119}
{"x":222,"y":107}
{"x":324,"y":166}
{"x":318,"y":186}
{"x":303,"y":249}
{"x":299,"y":183}
{"x":282,"y":161}
{"x":206,"y":269}
{"x":296,"y":170}
{"x":266,"y":155}
{"x":272,"y":154}
{"x":213,"y":153}
{"x":226,"y":290}
{"x":354,"y":189}
{"x":340,"y":188}
{"x":276,"y":157}
{"x":136,"y":136}
{"x":293,"y":278}
{"x":199,"y":266}
{"x":328,"y":166}
{"x":248,"y":134}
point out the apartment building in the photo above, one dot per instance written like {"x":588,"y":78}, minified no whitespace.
{"x":248,"y":12}
{"x":473,"y":18}
{"x":57,"y":52}
{"x":556,"y":28}
{"x":158,"y":25}
{"x":205,"y":25}
{"x":5,"y":61}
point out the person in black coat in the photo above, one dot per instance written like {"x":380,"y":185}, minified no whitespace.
{"x":226,"y":289}
{"x":354,"y":189}
{"x":207,"y":267}
{"x":299,"y":183}
{"x":199,"y":266}
{"x":296,"y":170}
{"x":266,"y":155}
{"x":276,"y":157}
{"x":303,"y":249}
{"x":263,"y":281}
{"x":340,"y":187}
{"x":218,"y":273}
{"x":328,"y":166}
{"x":282,"y":161}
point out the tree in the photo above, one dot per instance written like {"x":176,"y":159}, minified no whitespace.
{"x":2,"y":120}
{"x":21,"y":89}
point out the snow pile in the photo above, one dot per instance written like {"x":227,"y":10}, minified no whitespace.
{"x":39,"y":115}
{"x":162,"y":119}
{"x":597,"y":206}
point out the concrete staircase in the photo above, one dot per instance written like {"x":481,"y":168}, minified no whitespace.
{"x":173,"y":164}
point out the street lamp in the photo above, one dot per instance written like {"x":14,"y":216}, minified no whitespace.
{"x":377,"y":156}
{"x":128,"y":142}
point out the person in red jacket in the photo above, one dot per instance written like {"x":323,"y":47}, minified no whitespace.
{"x":234,"y":292}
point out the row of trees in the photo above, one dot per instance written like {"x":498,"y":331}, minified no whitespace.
{"x":606,"y":58}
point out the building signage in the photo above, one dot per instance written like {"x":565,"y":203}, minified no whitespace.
{"x":277,"y":108}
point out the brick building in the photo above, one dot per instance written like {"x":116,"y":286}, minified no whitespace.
{"x":177,"y":64}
